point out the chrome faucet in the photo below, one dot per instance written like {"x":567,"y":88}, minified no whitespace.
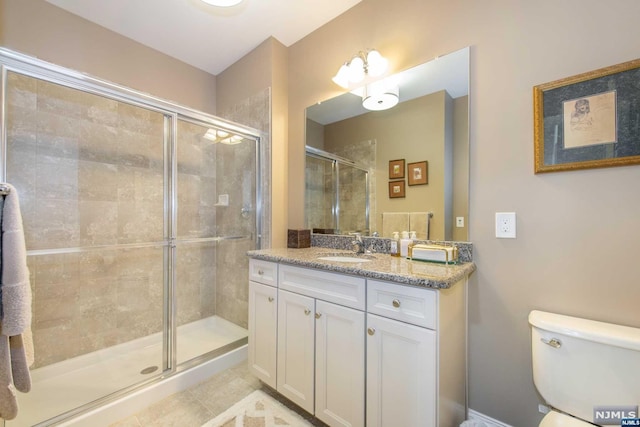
{"x":358,"y":244}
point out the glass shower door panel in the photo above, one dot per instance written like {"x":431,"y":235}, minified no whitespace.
{"x":201,"y":328}
{"x":216,"y":203}
{"x":319,"y":196}
{"x":353,"y":200}
{"x":89,"y":171}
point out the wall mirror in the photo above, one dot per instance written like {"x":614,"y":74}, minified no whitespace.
{"x":401,"y":169}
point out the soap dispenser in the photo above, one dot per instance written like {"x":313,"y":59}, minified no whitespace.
{"x":404,"y":244}
{"x":395,"y":244}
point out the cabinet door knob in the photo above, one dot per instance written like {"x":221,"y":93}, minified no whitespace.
{"x":318,"y":315}
{"x":260,"y":272}
{"x":270,"y":299}
{"x":396,"y":303}
{"x":307,"y":311}
{"x":371,"y":331}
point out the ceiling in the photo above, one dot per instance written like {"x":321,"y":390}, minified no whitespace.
{"x":208,"y":37}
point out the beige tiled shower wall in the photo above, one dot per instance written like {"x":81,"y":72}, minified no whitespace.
{"x":89,"y":172}
{"x":234,"y":165}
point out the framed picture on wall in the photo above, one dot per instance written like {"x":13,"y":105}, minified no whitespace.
{"x":396,"y":169}
{"x":589,"y":120}
{"x":396,"y":189}
{"x":418,"y":173}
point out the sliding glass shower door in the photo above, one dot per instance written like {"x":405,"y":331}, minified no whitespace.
{"x":90,"y":175}
{"x":137,"y":215}
{"x":216,"y":223}
{"x":336,"y":194}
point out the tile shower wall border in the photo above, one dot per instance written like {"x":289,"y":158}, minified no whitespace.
{"x":382,"y":245}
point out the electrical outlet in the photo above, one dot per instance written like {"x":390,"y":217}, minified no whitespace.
{"x":506,"y":225}
{"x":459,"y":221}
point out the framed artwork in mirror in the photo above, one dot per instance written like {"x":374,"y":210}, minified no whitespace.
{"x":396,"y":169}
{"x":590,"y":120}
{"x":396,"y":189}
{"x":418,"y":173}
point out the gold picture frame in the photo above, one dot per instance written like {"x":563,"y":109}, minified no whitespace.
{"x":588,"y":121}
{"x":418,"y":173}
{"x":396,"y":169}
{"x":396,"y":189}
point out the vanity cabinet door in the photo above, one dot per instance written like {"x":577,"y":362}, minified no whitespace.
{"x":340,"y":366}
{"x":401,"y":374}
{"x":296,"y":348}
{"x":263,"y":316}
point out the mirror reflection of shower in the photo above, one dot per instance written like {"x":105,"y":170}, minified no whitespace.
{"x":337,"y":194}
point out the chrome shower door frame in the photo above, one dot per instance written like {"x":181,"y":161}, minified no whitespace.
{"x":21,"y":64}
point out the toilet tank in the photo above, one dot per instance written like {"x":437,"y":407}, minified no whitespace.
{"x":593,"y":364}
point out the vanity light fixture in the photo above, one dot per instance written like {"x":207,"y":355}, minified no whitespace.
{"x":377,"y":100}
{"x":380,"y":95}
{"x":223,"y":3}
{"x":369,"y":63}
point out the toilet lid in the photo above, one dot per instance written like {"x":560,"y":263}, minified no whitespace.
{"x":556,"y":419}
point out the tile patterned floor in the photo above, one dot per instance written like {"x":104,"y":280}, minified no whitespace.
{"x":202,"y":402}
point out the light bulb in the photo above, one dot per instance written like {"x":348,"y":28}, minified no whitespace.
{"x":342,"y":77}
{"x":377,"y":64}
{"x":356,"y":69}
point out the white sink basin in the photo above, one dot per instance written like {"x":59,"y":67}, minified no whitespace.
{"x":345,"y":258}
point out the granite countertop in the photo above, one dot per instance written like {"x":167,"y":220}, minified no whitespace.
{"x":381,"y":266}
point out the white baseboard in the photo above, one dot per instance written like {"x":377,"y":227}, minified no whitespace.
{"x":490,"y":422}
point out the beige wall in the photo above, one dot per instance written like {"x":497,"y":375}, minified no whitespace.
{"x":567,"y":222}
{"x":37,"y":28}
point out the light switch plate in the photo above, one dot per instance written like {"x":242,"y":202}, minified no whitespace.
{"x":459,"y":221}
{"x":506,"y":225}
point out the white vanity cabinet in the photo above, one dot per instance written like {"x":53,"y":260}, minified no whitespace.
{"x":334,"y":336}
{"x":263,"y":315}
{"x":416,"y":355}
{"x":321,"y":329}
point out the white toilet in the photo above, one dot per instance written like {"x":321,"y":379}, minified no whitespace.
{"x":581,"y":364}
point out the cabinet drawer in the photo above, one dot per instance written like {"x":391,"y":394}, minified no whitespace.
{"x":411,"y":305}
{"x":263,"y":272}
{"x":332,"y":287}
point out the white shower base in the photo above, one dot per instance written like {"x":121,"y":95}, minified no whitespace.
{"x":72,"y":383}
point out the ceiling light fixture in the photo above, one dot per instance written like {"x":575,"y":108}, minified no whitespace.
{"x":369,"y":63}
{"x":223,"y":3}
{"x":380,"y":95}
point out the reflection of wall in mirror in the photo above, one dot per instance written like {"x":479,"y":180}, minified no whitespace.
{"x":414,"y":130}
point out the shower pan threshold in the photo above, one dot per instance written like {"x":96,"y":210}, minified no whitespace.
{"x":69,"y":384}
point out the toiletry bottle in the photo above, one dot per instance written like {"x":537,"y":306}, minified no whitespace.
{"x":404,"y":244}
{"x":395,"y":244}
{"x":412,"y":241}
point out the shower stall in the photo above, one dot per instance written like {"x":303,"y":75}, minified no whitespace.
{"x":137,"y":215}
{"x":336,"y":194}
